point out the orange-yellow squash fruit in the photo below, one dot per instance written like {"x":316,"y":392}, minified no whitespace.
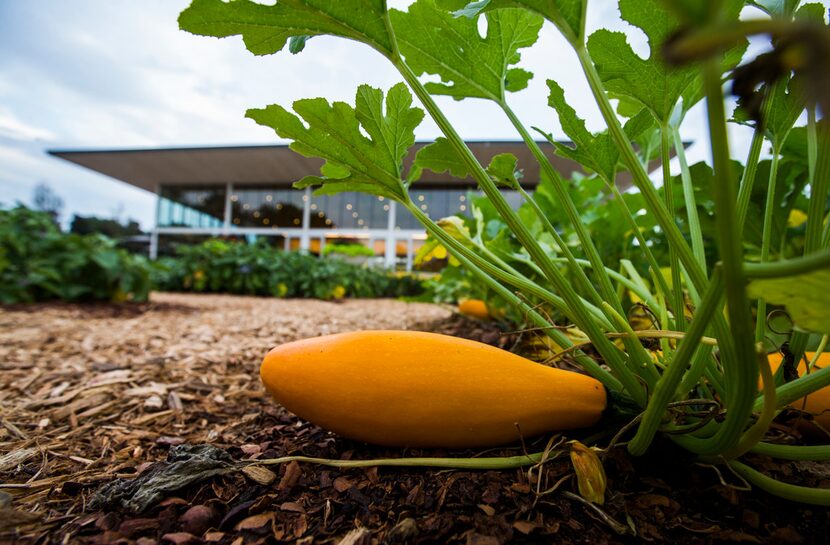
{"x":475,"y":308}
{"x":406,"y":388}
{"x":817,"y":403}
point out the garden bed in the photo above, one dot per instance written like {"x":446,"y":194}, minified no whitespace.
{"x":91,"y":393}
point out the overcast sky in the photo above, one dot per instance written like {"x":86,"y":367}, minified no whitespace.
{"x":89,"y":74}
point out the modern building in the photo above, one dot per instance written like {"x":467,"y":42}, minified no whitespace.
{"x":246,"y":191}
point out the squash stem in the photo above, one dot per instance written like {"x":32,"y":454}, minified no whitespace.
{"x":802,"y":494}
{"x":505,"y":462}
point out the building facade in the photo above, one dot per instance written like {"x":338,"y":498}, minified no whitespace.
{"x":247,"y":191}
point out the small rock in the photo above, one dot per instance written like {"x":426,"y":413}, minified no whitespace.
{"x":197,"y":520}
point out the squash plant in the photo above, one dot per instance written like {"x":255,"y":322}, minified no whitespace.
{"x":694,"y":48}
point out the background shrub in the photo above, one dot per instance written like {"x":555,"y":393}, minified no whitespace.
{"x":38,"y":262}
{"x":232,"y":267}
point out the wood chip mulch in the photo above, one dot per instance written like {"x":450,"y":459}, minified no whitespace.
{"x":90,"y":394}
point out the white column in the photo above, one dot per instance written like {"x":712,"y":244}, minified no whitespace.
{"x":228,"y":207}
{"x":154,"y":244}
{"x":304,"y":237}
{"x":389,"y":257}
{"x":410,"y":245}
{"x":154,"y":235}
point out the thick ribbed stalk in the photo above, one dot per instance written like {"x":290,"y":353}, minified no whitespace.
{"x":666,"y":387}
{"x":678,"y":301}
{"x":738,"y":357}
{"x":766,"y":239}
{"x":469,"y":260}
{"x":755,"y":433}
{"x":695,"y":233}
{"x":789,"y":267}
{"x":576,"y":310}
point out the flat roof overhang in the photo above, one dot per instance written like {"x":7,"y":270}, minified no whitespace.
{"x":276,"y":164}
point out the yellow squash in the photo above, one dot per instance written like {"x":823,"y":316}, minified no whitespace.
{"x":817,"y":403}
{"x":406,"y":388}
{"x":475,"y":308}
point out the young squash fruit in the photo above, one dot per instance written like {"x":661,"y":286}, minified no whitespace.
{"x":414,"y":389}
{"x":818,"y":403}
{"x":475,"y":308}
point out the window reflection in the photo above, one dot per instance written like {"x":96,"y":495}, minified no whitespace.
{"x":349,"y":211}
{"x":191,"y":206}
{"x":266,"y":207}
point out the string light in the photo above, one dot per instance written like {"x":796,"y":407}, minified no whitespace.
{"x":256,"y":214}
{"x":279,"y":206}
{"x":348,"y":206}
{"x":269,"y":198}
{"x":421,"y":198}
{"x":246,"y":206}
{"x":234,"y":198}
{"x":386,"y":207}
{"x":462,"y":208}
{"x":314,"y":207}
{"x":354,"y":214}
{"x":296,"y":221}
{"x":266,"y":221}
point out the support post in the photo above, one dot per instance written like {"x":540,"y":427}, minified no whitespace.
{"x":410,"y":247}
{"x":154,"y":244}
{"x":304,"y":237}
{"x":226,"y":223}
{"x":390,"y":254}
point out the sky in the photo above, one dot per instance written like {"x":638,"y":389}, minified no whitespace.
{"x":111,"y":74}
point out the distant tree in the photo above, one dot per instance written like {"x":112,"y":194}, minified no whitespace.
{"x":46,"y":200}
{"x":85,"y":225}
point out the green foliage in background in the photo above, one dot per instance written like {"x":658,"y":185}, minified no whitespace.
{"x":218,"y":266}
{"x":350,"y":250}
{"x":38,"y":262}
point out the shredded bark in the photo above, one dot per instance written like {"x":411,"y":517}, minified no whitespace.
{"x":102,"y":408}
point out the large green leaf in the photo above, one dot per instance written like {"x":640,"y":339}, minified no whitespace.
{"x":596,"y":152}
{"x":435,"y":42}
{"x":648,"y":82}
{"x":333,"y":132}
{"x":266,"y":28}
{"x":805,"y":297}
{"x":567,"y":15}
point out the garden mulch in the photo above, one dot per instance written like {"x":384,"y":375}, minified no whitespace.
{"x":92,"y":395}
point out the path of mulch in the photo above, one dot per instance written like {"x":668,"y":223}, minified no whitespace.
{"x":92,"y":393}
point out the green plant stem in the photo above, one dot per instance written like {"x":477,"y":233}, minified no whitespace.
{"x":818,"y":179}
{"x":755,"y":433}
{"x":582,"y":279}
{"x":640,"y":290}
{"x":649,"y":255}
{"x":798,"y":388}
{"x":639,"y":175}
{"x":789,"y":267}
{"x":576,"y":310}
{"x":748,"y":178}
{"x":678,"y":300}
{"x":766,"y":240}
{"x":506,"y":462}
{"x":695,"y":232}
{"x":664,"y":392}
{"x":822,"y":344}
{"x":647,"y":368}
{"x":566,"y":202}
{"x":793,"y":452}
{"x":471,"y":261}
{"x":802,"y":494}
{"x":737,"y":357}
{"x":696,"y":274}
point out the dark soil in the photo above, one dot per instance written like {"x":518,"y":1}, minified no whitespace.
{"x":661,"y":497}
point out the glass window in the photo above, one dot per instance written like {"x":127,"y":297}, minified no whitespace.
{"x":258,"y":206}
{"x":349,"y":211}
{"x":440,"y":203}
{"x":191,"y":206}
